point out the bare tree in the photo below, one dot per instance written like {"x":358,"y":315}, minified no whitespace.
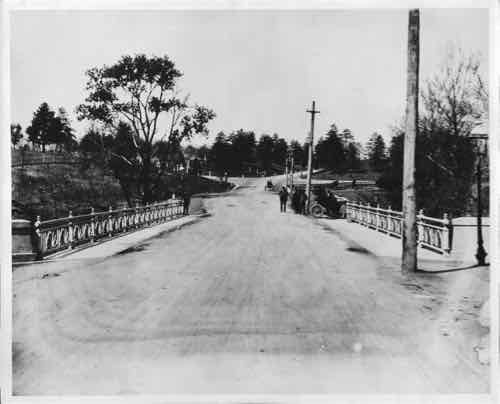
{"x":456,"y":97}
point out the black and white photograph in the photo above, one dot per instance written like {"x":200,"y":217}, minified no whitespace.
{"x":235,"y":200}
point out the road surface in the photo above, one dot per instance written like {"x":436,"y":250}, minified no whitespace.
{"x":247,"y":300}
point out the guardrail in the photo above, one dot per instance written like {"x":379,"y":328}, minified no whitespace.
{"x":432,"y":233}
{"x":66,"y":233}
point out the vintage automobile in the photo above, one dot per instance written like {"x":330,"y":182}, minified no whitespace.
{"x":319,"y":210}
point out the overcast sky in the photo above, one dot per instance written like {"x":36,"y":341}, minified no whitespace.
{"x":259,"y":70}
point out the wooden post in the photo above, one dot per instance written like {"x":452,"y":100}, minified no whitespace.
{"x":313,"y":113}
{"x":409,"y":236}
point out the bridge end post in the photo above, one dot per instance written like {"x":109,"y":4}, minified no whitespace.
{"x":447,"y":234}
{"x":420,"y":227}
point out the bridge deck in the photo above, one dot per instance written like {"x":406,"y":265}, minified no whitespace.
{"x":247,"y":300}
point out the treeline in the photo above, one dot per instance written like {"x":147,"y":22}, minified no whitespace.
{"x":47,"y":128}
{"x":240,"y":153}
{"x":139,"y":118}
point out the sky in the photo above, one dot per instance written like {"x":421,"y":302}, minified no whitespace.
{"x":258,"y":70}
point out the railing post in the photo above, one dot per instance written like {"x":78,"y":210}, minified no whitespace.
{"x":390,"y":220}
{"x":447,"y":234}
{"x":110,"y":221}
{"x":136,"y":216}
{"x":71,"y":230}
{"x":420,"y":227}
{"x":123,"y":220}
{"x":377,"y":217}
{"x":92,"y":225}
{"x":38,"y":242}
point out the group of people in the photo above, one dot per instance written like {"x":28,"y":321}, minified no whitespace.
{"x":298,"y":198}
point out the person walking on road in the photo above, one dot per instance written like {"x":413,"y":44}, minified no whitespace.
{"x":186,"y":198}
{"x":283,"y":198}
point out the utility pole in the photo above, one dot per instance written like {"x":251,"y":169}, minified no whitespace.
{"x":409,"y":256}
{"x":313,"y":112}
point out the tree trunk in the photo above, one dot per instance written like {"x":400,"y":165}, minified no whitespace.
{"x":147,"y":195}
{"x":409,"y":257}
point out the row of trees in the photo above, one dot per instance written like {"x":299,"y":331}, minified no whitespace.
{"x":129,"y":101}
{"x":240,"y":153}
{"x":139,"y":120}
{"x":47,"y":128}
{"x":339,"y":151}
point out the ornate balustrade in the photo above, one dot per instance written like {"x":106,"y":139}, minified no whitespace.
{"x":432,"y":233}
{"x":68,"y":232}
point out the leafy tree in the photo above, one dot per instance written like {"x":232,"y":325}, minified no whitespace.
{"x":16,"y":134}
{"x":330,"y":151}
{"x":63,"y":135}
{"x":444,"y":172}
{"x":347,"y":137}
{"x":219,"y":154}
{"x":243,"y":148}
{"x":377,"y":154}
{"x":123,"y":160}
{"x":48,"y":128}
{"x":265,"y":148}
{"x":141,"y":91}
{"x":41,"y":130}
{"x":280,"y":150}
{"x":352,"y":155}
{"x":299,"y":155}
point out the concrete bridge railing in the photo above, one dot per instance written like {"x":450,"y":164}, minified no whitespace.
{"x":433,"y":233}
{"x":52,"y":236}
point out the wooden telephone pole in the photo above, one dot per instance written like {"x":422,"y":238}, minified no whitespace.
{"x":409,"y":258}
{"x":313,"y":113}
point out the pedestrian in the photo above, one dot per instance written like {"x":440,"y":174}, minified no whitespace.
{"x":283,"y":194}
{"x":295,"y":199}
{"x":302,"y":202}
{"x":332,"y":205}
{"x":186,"y":197}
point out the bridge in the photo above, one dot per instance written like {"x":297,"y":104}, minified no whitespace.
{"x":245,"y":299}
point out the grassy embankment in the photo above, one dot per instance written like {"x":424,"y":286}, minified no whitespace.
{"x":52,"y":190}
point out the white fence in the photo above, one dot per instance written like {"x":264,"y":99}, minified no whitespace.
{"x":68,"y":232}
{"x":432,"y":233}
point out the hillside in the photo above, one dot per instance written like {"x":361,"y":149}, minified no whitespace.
{"x":53,"y":190}
{"x":51,"y":185}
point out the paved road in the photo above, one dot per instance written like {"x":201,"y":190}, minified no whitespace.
{"x":247,"y":300}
